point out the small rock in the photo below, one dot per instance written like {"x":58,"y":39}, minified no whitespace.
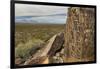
{"x":18,"y":61}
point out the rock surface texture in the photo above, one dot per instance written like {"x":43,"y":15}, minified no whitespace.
{"x":79,"y":34}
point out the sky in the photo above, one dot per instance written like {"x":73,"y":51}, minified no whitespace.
{"x":27,"y":13}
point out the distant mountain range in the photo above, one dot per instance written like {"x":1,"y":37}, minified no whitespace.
{"x":53,"y":18}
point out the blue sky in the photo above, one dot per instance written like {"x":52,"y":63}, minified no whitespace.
{"x":25,"y":13}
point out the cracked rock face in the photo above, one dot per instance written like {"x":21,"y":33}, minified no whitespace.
{"x":79,"y":34}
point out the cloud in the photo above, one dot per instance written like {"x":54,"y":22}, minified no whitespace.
{"x":38,"y":10}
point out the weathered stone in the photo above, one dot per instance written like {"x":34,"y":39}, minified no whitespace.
{"x":54,"y":45}
{"x":57,"y":44}
{"x":79,"y":33}
{"x":38,"y":60}
{"x":18,"y":61}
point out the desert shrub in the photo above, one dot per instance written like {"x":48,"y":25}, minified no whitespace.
{"x":35,"y":49}
{"x":25,"y":50}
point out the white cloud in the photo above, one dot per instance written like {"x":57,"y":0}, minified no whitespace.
{"x":36,"y":10}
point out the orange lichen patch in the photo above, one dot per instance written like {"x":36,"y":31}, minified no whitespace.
{"x":46,"y":61}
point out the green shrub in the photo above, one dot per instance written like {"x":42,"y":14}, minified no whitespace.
{"x":25,"y":50}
